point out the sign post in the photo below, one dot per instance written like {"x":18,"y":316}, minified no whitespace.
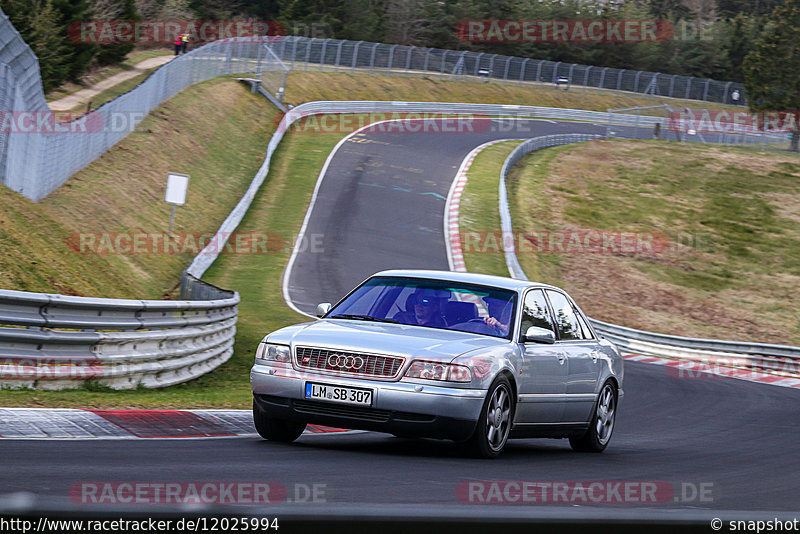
{"x":177,"y":184}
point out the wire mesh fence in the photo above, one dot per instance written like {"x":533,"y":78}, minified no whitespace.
{"x":322,"y":54}
{"x":38,"y":153}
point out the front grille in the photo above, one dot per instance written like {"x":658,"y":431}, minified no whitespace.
{"x":358,"y":412}
{"x":349,"y":363}
{"x":320,"y":408}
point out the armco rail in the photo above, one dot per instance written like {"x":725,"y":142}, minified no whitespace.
{"x":778,"y":359}
{"x":56,"y":341}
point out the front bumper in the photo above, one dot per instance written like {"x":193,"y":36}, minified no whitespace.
{"x":403,"y":408}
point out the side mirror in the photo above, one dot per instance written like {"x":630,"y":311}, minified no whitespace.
{"x":323,"y":308}
{"x":539,"y":335}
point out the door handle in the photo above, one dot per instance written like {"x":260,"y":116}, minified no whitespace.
{"x":595,"y":354}
{"x":562,"y":357}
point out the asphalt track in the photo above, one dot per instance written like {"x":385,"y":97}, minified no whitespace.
{"x":380,"y":205}
{"x":737,"y":438}
{"x":381,"y":202}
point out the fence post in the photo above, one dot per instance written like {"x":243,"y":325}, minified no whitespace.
{"x":705,"y":90}
{"x":689,"y":87}
{"x":308,"y":52}
{"x":539,"y":71}
{"x":339,"y":55}
{"x":355,"y":54}
{"x":444,"y":60}
{"x":391,"y":58}
{"x":636,"y":81}
{"x":555,"y":72}
{"x":569,"y":76}
{"x":408,"y":59}
{"x":372,"y":58}
{"x":505,"y":72}
{"x":478,"y":63}
{"x":725,"y":94}
{"x":586,"y":78}
{"x":425,"y":63}
{"x":602,"y":77}
{"x":491,"y":65}
{"x":522,"y":70}
{"x":672,"y":84}
{"x":294,"y":50}
{"x":619,"y":80}
{"x":322,"y":54}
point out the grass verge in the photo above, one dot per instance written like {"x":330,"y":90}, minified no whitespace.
{"x":723,"y":223}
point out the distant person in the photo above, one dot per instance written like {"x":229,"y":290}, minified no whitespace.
{"x":184,"y":42}
{"x":178,"y":44}
{"x":735,"y":97}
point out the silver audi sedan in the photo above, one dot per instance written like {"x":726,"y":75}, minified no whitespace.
{"x":473,"y":358}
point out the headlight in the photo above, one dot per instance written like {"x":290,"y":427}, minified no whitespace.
{"x":438,"y":371}
{"x":273,"y":353}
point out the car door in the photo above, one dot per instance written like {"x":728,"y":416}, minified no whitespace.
{"x":576,"y":341}
{"x":545,"y":367}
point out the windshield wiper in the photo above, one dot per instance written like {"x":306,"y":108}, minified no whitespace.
{"x":364,"y":318}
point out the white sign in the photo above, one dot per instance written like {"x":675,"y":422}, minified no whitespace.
{"x":177,"y":184}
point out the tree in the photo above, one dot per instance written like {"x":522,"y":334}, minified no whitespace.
{"x":771,"y":70}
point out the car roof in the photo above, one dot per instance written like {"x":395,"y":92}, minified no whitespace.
{"x":468,"y":278}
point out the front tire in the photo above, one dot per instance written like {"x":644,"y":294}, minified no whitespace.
{"x":494,"y":423}
{"x":276,"y":429}
{"x":600,"y":428}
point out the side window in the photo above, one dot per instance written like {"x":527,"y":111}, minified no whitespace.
{"x":587,"y":332}
{"x":535,"y":313}
{"x":566,"y":319}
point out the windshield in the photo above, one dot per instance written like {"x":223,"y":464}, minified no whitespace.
{"x":431,"y":303}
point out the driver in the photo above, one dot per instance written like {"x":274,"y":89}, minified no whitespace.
{"x":425,"y":308}
{"x":499,"y":315}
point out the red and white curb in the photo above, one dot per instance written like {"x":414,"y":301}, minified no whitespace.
{"x":455,"y":254}
{"x":61,"y":423}
{"x":696,"y":370}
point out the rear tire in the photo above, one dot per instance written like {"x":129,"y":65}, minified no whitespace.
{"x":601,"y":426}
{"x":494,"y":423}
{"x":276,"y":429}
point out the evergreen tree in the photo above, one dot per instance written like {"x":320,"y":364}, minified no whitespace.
{"x":771,"y":70}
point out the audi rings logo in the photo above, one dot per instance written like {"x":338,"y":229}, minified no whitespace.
{"x":350,"y":363}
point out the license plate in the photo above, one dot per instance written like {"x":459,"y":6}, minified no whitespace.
{"x":342,"y":394}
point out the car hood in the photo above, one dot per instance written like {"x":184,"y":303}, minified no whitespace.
{"x":384,"y":338}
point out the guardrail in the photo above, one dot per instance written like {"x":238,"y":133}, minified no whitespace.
{"x":50,"y":341}
{"x":778,"y":359}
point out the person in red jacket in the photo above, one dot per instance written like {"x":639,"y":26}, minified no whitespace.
{"x":178,"y":44}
